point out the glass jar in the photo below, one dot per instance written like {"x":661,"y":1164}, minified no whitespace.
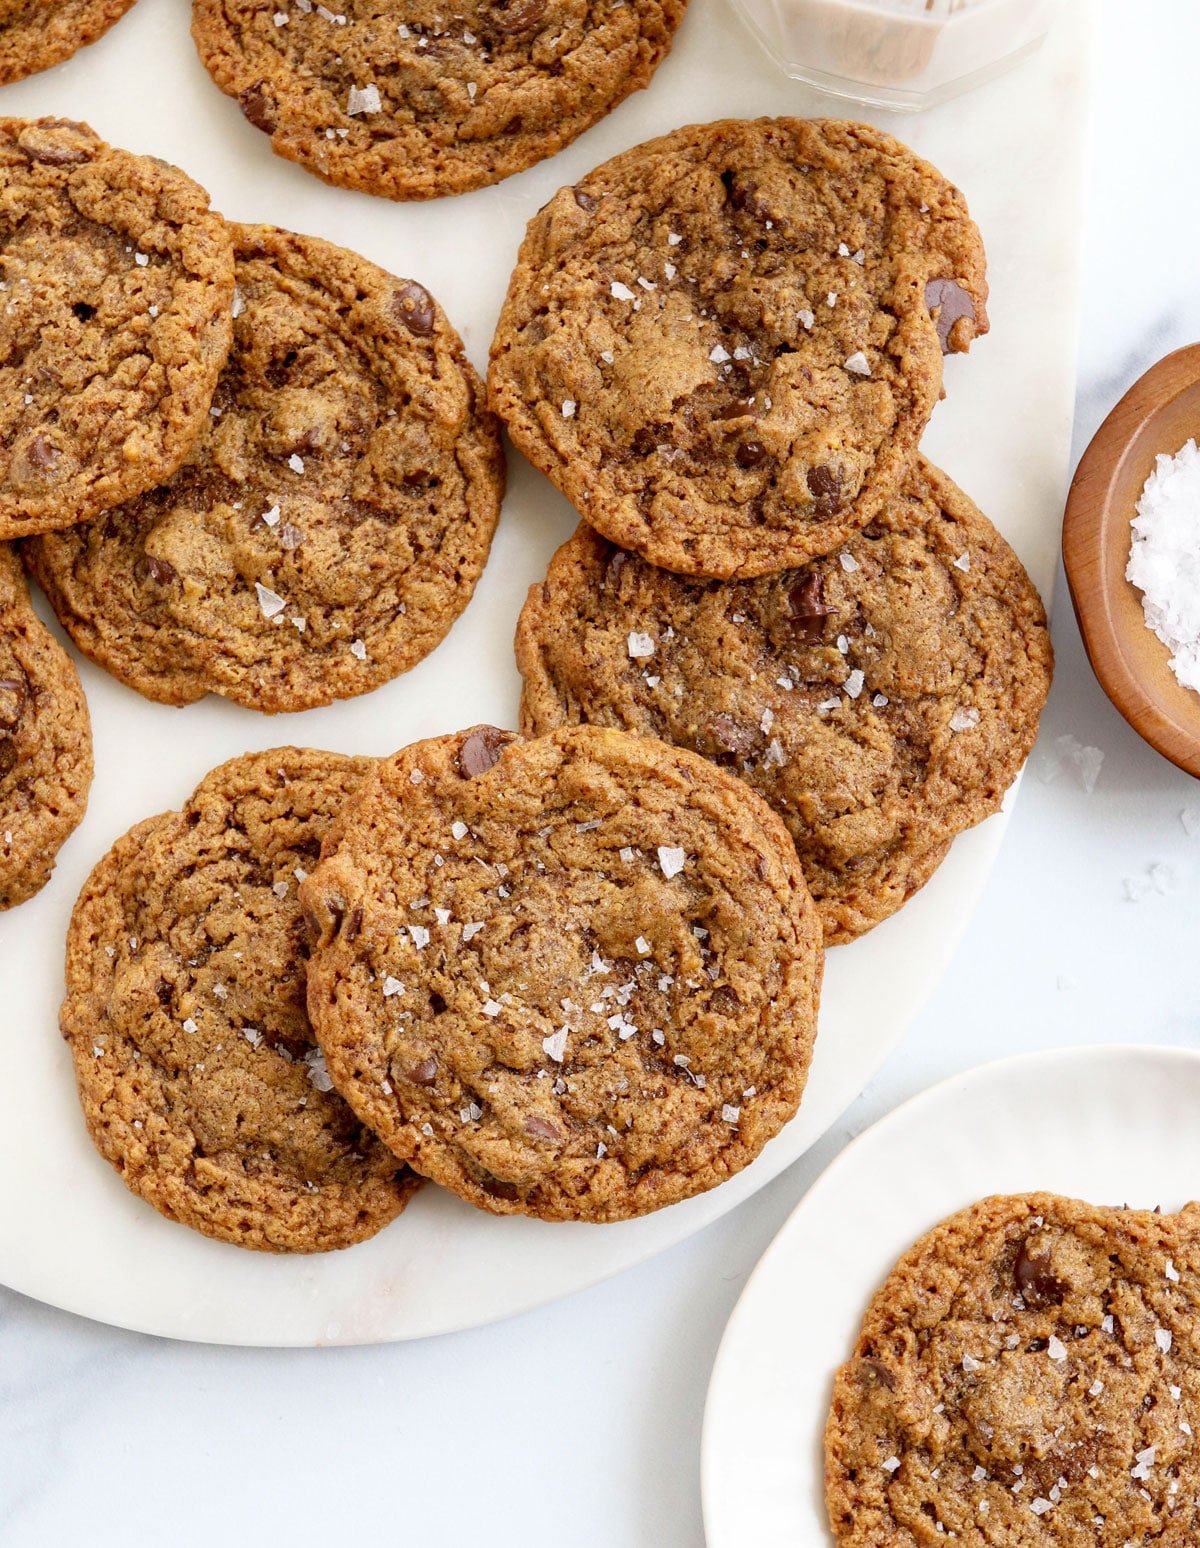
{"x":898,"y":54}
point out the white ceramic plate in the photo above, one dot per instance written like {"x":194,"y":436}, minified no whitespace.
{"x":69,"y":1232}
{"x":1112,"y":1125}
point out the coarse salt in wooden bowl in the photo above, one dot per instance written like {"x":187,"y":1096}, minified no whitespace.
{"x":1158,"y":414}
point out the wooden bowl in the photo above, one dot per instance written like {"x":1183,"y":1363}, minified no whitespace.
{"x":1158,"y":414}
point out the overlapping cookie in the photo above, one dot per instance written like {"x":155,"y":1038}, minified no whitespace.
{"x":881,"y":699}
{"x":117,"y":282}
{"x":45,"y":742}
{"x":1028,"y":1375}
{"x":723,"y":345}
{"x":421,"y":101}
{"x":330,"y":523}
{"x":36,"y":34}
{"x":185,"y":1016}
{"x":573,"y":978}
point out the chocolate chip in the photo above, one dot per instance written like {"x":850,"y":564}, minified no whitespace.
{"x":825,"y":486}
{"x":806,"y":602}
{"x":159,"y":570}
{"x":12,"y":702}
{"x":520,"y":16}
{"x":8,"y":755}
{"x":951,"y":303}
{"x":481,"y":749}
{"x":586,"y":201}
{"x":413,"y":305}
{"x":743,"y":196}
{"x":497,"y":1189}
{"x":538,"y":1128}
{"x":425,"y":1073}
{"x":42,"y":453}
{"x":749,"y":454}
{"x":258,"y":107}
{"x":727,"y":733}
{"x":355,"y":924}
{"x":55,"y":144}
{"x":725,"y":999}
{"x":1036,"y":1285}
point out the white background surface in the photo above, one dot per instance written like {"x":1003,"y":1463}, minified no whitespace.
{"x":579,"y":1425}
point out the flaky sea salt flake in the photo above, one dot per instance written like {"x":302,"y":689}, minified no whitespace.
{"x":671,"y":860}
{"x":363,"y":99}
{"x":269,"y":601}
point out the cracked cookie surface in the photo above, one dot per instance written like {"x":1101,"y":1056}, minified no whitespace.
{"x":198,"y":1075}
{"x":1027,"y":1377}
{"x":117,"y":282}
{"x":45,"y":742}
{"x":331,"y":521}
{"x":36,"y":34}
{"x":882,"y":699}
{"x":574,"y":978}
{"x":410,"y":103}
{"x":723,"y":345}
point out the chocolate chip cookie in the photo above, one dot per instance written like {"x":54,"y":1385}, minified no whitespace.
{"x":330,"y":523}
{"x":414,"y":102}
{"x":198,"y":1075}
{"x":1027,"y":1377}
{"x":117,"y":282}
{"x":45,"y":742}
{"x":573,"y":978}
{"x":36,"y":34}
{"x":723,"y":346}
{"x":881,"y":699}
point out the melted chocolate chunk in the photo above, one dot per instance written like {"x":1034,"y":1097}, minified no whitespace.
{"x":728,"y":734}
{"x":159,"y":570}
{"x":258,"y":108}
{"x":806,"y":600}
{"x":951,"y":302}
{"x":825,"y":486}
{"x":749,"y":454}
{"x":538,"y":1128}
{"x":520,"y":16}
{"x":40,"y":143}
{"x":586,"y":201}
{"x":1036,"y":1285}
{"x":425,"y":1073}
{"x":12,"y":702}
{"x":8,"y":755}
{"x":612,"y":573}
{"x":481,"y":749}
{"x":42,"y":454}
{"x":413,"y":305}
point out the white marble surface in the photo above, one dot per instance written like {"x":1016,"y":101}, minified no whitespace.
{"x":579,"y":1424}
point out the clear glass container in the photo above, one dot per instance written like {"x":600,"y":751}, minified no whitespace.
{"x":898,"y":54}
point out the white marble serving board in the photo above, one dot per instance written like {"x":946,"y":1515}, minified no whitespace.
{"x":70,"y":1234}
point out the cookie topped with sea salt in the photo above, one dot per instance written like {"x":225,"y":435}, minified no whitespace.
{"x":331,"y":522}
{"x":45,"y":742}
{"x":723,"y":345}
{"x":117,"y":280}
{"x":882,"y":699}
{"x":574,"y":978}
{"x":197,"y":1071}
{"x":419,"y":100}
{"x":1027,"y":1376}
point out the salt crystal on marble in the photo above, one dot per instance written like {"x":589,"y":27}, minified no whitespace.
{"x":1189,"y":817}
{"x":1164,"y":558}
{"x":1071,"y":753}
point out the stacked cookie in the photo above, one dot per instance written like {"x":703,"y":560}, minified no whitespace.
{"x":574,"y":978}
{"x":724,"y":346}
